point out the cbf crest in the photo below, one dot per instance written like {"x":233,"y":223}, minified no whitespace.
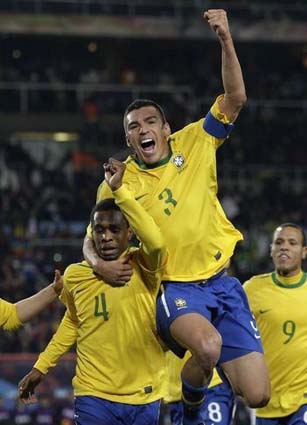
{"x":180,"y":303}
{"x":178,"y":160}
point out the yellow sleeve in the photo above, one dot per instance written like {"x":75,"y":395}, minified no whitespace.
{"x":62,"y":340}
{"x":215,"y":111}
{"x":103,"y":192}
{"x":152,"y":249}
{"x":8,"y":316}
{"x":246,"y":287}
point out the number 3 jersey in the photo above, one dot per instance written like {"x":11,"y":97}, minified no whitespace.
{"x":180,"y":193}
{"x":279,"y":305}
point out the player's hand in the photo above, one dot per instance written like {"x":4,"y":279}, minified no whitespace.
{"x":217,"y":19}
{"x":113,"y":173}
{"x":27,"y":386}
{"x":116,"y":272}
{"x":57,"y":283}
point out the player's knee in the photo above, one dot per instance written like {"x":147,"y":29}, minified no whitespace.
{"x":209,"y":350}
{"x":258,"y":397}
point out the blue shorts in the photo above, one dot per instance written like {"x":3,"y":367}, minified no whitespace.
{"x":297,"y":418}
{"x":91,"y":410}
{"x":216,"y":410}
{"x":222,"y":301}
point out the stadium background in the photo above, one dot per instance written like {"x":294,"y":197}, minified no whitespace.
{"x":68,"y":68}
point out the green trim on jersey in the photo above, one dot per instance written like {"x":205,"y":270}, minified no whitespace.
{"x":289,"y":285}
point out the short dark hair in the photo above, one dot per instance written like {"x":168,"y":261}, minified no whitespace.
{"x":105,"y":205}
{"x":295,"y":226}
{"x":140,"y":103}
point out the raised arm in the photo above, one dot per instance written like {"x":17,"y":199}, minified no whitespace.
{"x":63,"y":339}
{"x":152,"y":242}
{"x":235,"y":95}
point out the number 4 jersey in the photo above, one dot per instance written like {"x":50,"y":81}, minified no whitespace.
{"x":119,"y":357}
{"x":279,"y":305}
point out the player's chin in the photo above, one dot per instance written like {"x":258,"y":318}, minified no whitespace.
{"x":110,"y":256}
{"x":284,"y":267}
{"x":150,"y":159}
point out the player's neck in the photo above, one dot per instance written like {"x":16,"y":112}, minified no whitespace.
{"x":293,"y":281}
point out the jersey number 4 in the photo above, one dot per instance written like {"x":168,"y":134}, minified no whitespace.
{"x":101,"y":307}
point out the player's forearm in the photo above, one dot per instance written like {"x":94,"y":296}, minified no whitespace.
{"x":89,"y":251}
{"x":29,"y":307}
{"x":142,"y":224}
{"x":234,"y":87}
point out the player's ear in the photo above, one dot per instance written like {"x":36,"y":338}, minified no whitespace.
{"x":130,"y":234}
{"x":304,"y":253}
{"x":127,"y":141}
{"x":167,"y":129}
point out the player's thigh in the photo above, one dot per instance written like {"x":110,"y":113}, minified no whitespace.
{"x":184,"y":313}
{"x":249,"y":377}
{"x":218,"y":405}
{"x":194,"y":330}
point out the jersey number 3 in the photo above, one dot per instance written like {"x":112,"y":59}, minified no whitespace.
{"x":167,"y":196}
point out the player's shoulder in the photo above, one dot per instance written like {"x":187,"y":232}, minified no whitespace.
{"x":257,"y":280}
{"x":76,"y":272}
{"x":191,"y":127}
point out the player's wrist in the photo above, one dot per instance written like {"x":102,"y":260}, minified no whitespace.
{"x":99,"y":265}
{"x":56,"y":291}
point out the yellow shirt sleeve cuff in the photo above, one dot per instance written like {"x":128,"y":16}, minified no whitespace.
{"x":215,"y":111}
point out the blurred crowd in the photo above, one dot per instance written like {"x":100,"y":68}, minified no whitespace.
{"x":50,"y":75}
{"x":43,"y":215}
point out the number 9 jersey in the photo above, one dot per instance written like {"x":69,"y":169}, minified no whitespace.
{"x":279,"y":306}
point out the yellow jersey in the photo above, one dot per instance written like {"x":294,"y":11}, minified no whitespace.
{"x":119,"y":357}
{"x":174,"y":366}
{"x":279,"y":305}
{"x":8,"y":316}
{"x":180,"y":193}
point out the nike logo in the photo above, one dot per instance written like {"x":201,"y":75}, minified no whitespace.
{"x":264,"y":311}
{"x":140,"y":197}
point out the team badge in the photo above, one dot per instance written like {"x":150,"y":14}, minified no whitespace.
{"x":178,"y":160}
{"x":180,"y":303}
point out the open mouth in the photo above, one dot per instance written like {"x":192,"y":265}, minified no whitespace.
{"x":148,"y":145}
